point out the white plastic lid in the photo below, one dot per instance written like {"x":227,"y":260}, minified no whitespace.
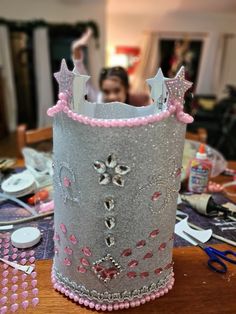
{"x":25,"y":237}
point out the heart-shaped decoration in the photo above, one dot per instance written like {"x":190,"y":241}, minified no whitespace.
{"x":35,"y":301}
{"x":4,"y":282}
{"x":14,"y":307}
{"x":14,"y":279}
{"x":34,"y":283}
{"x":14,"y":288}
{"x":5,"y":273}
{"x":35,"y":291}
{"x":4,"y":290}
{"x":14,"y":256}
{"x":25,"y":304}
{"x":25,"y":294}
{"x":24,"y":285}
{"x":14,"y":297}
{"x":3,"y":300}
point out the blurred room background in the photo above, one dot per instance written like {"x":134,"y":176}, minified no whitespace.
{"x":136,"y":34}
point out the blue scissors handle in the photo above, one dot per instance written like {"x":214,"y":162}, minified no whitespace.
{"x":214,"y":261}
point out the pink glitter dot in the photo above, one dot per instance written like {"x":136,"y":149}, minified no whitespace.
{"x":66,"y":182}
{"x":154,"y":233}
{"x":141,"y":244}
{"x":131,"y":274}
{"x":63,"y":228}
{"x":86,"y":251}
{"x":73,"y":239}
{"x":126,"y":252}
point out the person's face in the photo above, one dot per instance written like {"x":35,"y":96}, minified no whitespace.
{"x":113,"y":90}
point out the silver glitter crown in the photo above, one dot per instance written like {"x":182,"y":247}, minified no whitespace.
{"x":116,"y":179}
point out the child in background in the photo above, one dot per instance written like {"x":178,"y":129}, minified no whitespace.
{"x":113,"y":82}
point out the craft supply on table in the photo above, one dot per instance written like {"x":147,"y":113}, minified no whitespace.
{"x":182,"y":227}
{"x":215,"y":256}
{"x":18,"y":289}
{"x":204,"y":204}
{"x":199,"y":173}
{"x":25,"y":237}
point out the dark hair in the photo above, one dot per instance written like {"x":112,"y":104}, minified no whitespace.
{"x":118,"y":72}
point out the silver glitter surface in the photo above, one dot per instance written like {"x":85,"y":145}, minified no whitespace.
{"x":146,"y":202}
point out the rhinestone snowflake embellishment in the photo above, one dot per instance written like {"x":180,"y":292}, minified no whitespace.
{"x":111,"y":171}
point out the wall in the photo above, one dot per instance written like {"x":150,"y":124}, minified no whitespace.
{"x":59,"y":11}
{"x":126,"y":26}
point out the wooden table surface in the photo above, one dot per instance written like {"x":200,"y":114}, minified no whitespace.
{"x":197,"y":289}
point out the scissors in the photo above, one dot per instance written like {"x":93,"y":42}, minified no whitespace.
{"x":215,"y":256}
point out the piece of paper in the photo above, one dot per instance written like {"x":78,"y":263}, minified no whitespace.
{"x":182,"y":226}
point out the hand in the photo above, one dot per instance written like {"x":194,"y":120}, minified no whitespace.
{"x":82,"y":41}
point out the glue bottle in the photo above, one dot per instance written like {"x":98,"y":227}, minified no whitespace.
{"x":200,"y":170}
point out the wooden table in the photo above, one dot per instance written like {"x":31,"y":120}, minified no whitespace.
{"x":197,"y":289}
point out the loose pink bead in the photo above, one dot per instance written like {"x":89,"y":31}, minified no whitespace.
{"x":157,"y":294}
{"x":121,"y":306}
{"x":116,"y":306}
{"x":103,"y":307}
{"x":147,"y":298}
{"x":109,"y":307}
{"x":126,"y":305}
{"x":81,"y":301}
{"x":143,"y":301}
{"x":91,"y":305}
{"x":132,"y":304}
{"x":71,"y":295}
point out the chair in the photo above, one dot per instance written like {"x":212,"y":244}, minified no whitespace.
{"x":29,"y":137}
{"x":199,"y":136}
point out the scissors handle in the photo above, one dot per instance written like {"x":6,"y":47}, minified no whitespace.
{"x":225,"y":255}
{"x":214,"y":262}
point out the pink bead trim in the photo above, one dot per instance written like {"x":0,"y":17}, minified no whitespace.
{"x":115,"y":306}
{"x":174,"y":107}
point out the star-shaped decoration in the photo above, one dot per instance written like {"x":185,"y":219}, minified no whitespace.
{"x":64,"y":78}
{"x":178,"y":86}
{"x":158,"y":88}
{"x":79,"y":88}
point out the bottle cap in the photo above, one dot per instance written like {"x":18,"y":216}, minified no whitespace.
{"x":201,"y":154}
{"x":25,"y":237}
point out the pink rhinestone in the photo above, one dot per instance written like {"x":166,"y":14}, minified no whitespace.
{"x":81,"y":269}
{"x":148,"y":255}
{"x":141,"y":244}
{"x":126,"y":252}
{"x":162,"y":246}
{"x":133,"y":263}
{"x":66,"y":182}
{"x":86,"y":251}
{"x":154,"y":233}
{"x":63,"y":228}
{"x":155,"y":196}
{"x":158,"y":271}
{"x":144,"y":274}
{"x":68,"y":250}
{"x":73,"y":239}
{"x":131,"y":274}
{"x":84,"y":261}
{"x":67,"y":262}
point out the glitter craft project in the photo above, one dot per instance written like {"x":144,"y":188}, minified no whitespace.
{"x":116,"y":181}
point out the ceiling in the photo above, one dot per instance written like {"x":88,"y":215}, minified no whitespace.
{"x":165,"y":6}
